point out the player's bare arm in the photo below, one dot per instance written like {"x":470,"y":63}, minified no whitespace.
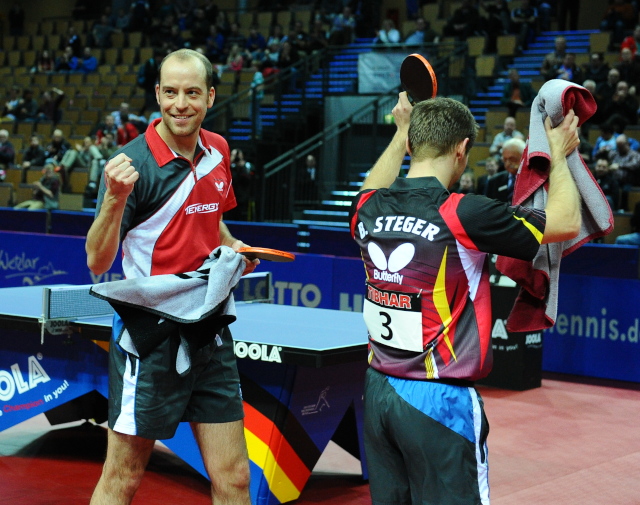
{"x":563,"y":200}
{"x":103,"y":238}
{"x":387,"y":168}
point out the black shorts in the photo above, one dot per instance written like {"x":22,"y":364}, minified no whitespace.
{"x":425,"y":442}
{"x":148,"y":398}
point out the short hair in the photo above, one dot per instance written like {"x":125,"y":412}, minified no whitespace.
{"x":438,"y":125}
{"x":516,"y":143}
{"x":186,"y":54}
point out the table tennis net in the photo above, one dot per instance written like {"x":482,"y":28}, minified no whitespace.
{"x":71,"y":302}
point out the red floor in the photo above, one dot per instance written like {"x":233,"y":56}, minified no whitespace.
{"x":565,"y":443}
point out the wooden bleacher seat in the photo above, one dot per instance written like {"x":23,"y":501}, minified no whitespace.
{"x":34,"y":174}
{"x":47,"y":27}
{"x":145,"y":54}
{"x":124,"y":90}
{"x":75,"y":79}
{"x":22,"y":193}
{"x":105,"y":69}
{"x":81,"y":101}
{"x":58,"y":80}
{"x":494,"y":118}
{"x":53,"y":42}
{"x":117,"y":40}
{"x":71,"y":114}
{"x":111,"y":78}
{"x":6,"y":194}
{"x":112,"y":56}
{"x":91,"y":115}
{"x":70,"y":201}
{"x":31,"y":28}
{"x":479,"y":152}
{"x":13,"y":176}
{"x":8,"y":43}
{"x":62,"y":27}
{"x":65,"y":127}
{"x":123,"y":68}
{"x":283,"y":18}
{"x":130,"y":56}
{"x":476,"y":45}
{"x":23,"y":42}
{"x":92,"y":79}
{"x":78,"y":179}
{"x":130,"y":79}
{"x":599,"y":42}
{"x":24,"y":128}
{"x":99,"y":101}
{"x":136,"y":102}
{"x":41,"y":80}
{"x":14,"y":58}
{"x":103,"y":89}
{"x":135,"y":39}
{"x":621,"y":226}
{"x":506,"y":45}
{"x":38,"y":42}
{"x":485,"y":66}
{"x":83,"y":128}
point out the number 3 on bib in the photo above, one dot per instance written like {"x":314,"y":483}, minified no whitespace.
{"x":394,"y":318}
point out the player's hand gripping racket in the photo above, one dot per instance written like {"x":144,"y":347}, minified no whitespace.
{"x":418,"y":78}
{"x":264,"y":253}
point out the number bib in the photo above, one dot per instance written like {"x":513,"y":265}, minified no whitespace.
{"x":394,"y":318}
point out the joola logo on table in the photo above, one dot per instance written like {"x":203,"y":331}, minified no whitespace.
{"x":12,"y":380}
{"x":201,"y":208}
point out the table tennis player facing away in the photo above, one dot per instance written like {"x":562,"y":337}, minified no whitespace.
{"x":150,"y":200}
{"x":427,"y":307}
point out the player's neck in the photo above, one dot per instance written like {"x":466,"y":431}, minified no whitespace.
{"x":441,"y":168}
{"x":184,"y":146}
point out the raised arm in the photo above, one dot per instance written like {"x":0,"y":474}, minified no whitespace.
{"x":387,"y":168}
{"x":103,"y":238}
{"x":563,"y":200}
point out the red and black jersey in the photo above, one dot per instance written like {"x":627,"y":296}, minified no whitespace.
{"x":428,"y":306}
{"x":171,"y":222}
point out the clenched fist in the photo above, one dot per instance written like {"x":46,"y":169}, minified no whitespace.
{"x":120,"y":175}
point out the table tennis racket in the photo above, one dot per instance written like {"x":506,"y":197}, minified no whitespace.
{"x":418,"y":78}
{"x":264,"y":253}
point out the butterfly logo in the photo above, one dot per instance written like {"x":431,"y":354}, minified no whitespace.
{"x":219,"y":185}
{"x":398,"y":259}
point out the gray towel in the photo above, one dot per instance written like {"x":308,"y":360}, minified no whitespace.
{"x":194,"y":305}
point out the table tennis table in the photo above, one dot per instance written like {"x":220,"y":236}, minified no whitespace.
{"x":302,"y":373}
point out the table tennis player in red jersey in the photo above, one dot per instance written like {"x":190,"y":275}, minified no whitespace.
{"x":427,"y":305}
{"x":163,"y":196}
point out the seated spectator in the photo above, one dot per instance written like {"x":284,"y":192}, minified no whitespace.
{"x":466,"y":184}
{"x":568,"y":70}
{"x":632,"y":238}
{"x":45,"y":191}
{"x":101,"y":32}
{"x":343,"y":28}
{"x":7,"y":152}
{"x":167,"y":8}
{"x":73,"y":41}
{"x":234,"y":38}
{"x":214,"y":47}
{"x":299,"y":38}
{"x":243,"y":176}
{"x":256,"y":44}
{"x":33,"y":156}
{"x":552,"y":60}
{"x":500,"y":186}
{"x":605,"y":143}
{"x":127,"y":132}
{"x":516,"y":93}
{"x":625,"y":163}
{"x":107,"y":145}
{"x":185,"y":11}
{"x":67,"y":61}
{"x":422,"y":34}
{"x":287,"y":59}
{"x":147,"y":79}
{"x":606,"y":90}
{"x":388,"y":34}
{"x":27,"y":109}
{"x":140,"y":122}
{"x":108,"y":126}
{"x":491,"y":167}
{"x":318,"y":38}
{"x":89,"y":62}
{"x":45,"y":63}
{"x":222,"y":22}
{"x":524,"y":23}
{"x":49,"y":108}
{"x":122,"y":21}
{"x":596,"y":70}
{"x":608,"y":183}
{"x":235,"y":59}
{"x":274,"y":43}
{"x":629,"y":70}
{"x":584,"y":148}
{"x":56,"y":150}
{"x":464,"y":22}
{"x":175,"y":41}
{"x":631,"y":42}
{"x":619,"y":17}
{"x":508,"y":132}
{"x":622,"y":109}
{"x":10,"y":109}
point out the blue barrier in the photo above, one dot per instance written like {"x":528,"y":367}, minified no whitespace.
{"x":68,"y":222}
{"x":28,"y":221}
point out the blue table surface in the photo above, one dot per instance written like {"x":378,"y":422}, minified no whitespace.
{"x":263,"y":323}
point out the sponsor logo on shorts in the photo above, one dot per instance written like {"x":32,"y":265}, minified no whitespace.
{"x":201,"y":208}
{"x":258,"y":352}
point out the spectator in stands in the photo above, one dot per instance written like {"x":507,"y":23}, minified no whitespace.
{"x":58,"y":146}
{"x":307,"y":179}
{"x":631,"y":42}
{"x":629,"y":69}
{"x":606,"y":90}
{"x":243,"y":177}
{"x":176,"y":40}
{"x":585,"y":148}
{"x":568,"y":70}
{"x":67,"y":61}
{"x":73,"y":41}
{"x":256,"y":44}
{"x":552,"y":60}
{"x":491,"y":167}
{"x":498,"y":22}
{"x":101,"y":32}
{"x":45,"y":63}
{"x":89,"y":63}
{"x":199,"y":28}
{"x":147,"y":79}
{"x":139,"y":122}
{"x":274,"y":43}
{"x":318,"y":37}
{"x":7,"y":152}
{"x":10,"y":109}
{"x":257,"y":95}
{"x":608,"y":183}
{"x":45,"y":191}
{"x":214,"y":46}
{"x":466,"y":183}
{"x":234,"y":38}
{"x":388,"y":34}
{"x":343,"y":28}
{"x":126,"y":132}
{"x":287,"y":58}
{"x":139,"y":16}
{"x":235,"y":59}
{"x":516,"y":93}
{"x":49,"y":108}
{"x":622,"y":109}
{"x":508,"y":132}
{"x":422,"y":34}
{"x":167,"y":9}
{"x":15,"y":17}
{"x":107,"y":145}
{"x":605,"y":143}
{"x":223,"y":23}
{"x":185,"y":11}
{"x":596,"y":70}
{"x":524,"y":23}
{"x":122,"y":20}
{"x":299,"y":38}
{"x":625,"y":163}
{"x":500,"y":187}
{"x":632,"y":238}
{"x":619,"y":16}
{"x":464,"y":22}
{"x":85,"y":155}
{"x":27,"y":109}
{"x":33,"y":156}
{"x":107,"y":127}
